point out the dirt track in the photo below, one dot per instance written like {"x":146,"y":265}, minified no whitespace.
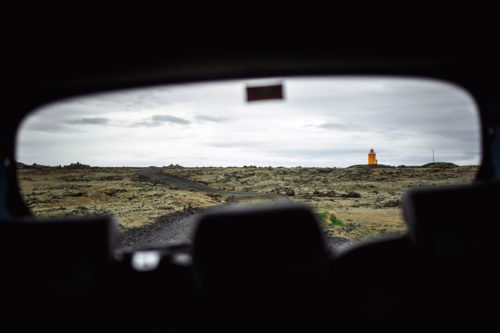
{"x":157,"y":175}
{"x":177,"y":227}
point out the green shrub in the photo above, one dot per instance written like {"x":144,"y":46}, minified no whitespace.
{"x":335,"y":221}
{"x":329,"y":219}
{"x":322,"y":217}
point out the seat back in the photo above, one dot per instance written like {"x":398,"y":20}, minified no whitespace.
{"x":269,"y":263}
{"x":455,"y":232}
{"x":455,"y":222}
{"x":446,"y":259}
{"x":265,"y":249}
{"x":62,"y":255}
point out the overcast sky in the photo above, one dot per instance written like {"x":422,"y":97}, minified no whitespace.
{"x":322,"y":122}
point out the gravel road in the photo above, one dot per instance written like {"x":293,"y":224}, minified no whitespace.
{"x":177,"y":227}
{"x":156,"y":175}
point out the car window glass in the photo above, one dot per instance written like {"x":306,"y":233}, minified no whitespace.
{"x":348,"y":147}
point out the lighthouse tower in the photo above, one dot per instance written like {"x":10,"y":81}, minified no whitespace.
{"x":372,"y":157}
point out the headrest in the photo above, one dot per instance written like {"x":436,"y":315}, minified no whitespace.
{"x":262,"y":242}
{"x":85,"y":235}
{"x":453,"y":220}
{"x":58,"y":254}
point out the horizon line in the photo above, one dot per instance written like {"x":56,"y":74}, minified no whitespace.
{"x":236,"y":166}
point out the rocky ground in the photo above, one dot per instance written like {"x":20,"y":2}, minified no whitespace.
{"x":79,"y":190}
{"x":353,"y":203}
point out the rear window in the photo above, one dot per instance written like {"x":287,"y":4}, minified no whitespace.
{"x":348,"y":147}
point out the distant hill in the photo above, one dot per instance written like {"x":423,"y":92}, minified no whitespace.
{"x":21,"y":165}
{"x":443,"y":165}
{"x":76,"y":165}
{"x":370,"y":166}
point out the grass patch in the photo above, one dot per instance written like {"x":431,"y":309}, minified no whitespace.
{"x":328,"y":218}
{"x":322,"y":217}
{"x":335,"y":221}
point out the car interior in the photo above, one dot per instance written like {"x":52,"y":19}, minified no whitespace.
{"x":66,"y":275}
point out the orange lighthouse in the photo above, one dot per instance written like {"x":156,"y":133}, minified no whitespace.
{"x":372,"y":157}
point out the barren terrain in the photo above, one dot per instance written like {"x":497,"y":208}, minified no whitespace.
{"x":353,"y":203}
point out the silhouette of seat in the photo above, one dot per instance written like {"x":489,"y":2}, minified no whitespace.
{"x":53,"y":271}
{"x":454,"y":222}
{"x":425,"y":275}
{"x":455,"y":231}
{"x":273,"y":257}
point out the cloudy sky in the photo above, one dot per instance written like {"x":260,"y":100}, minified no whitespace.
{"x":322,"y":122}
